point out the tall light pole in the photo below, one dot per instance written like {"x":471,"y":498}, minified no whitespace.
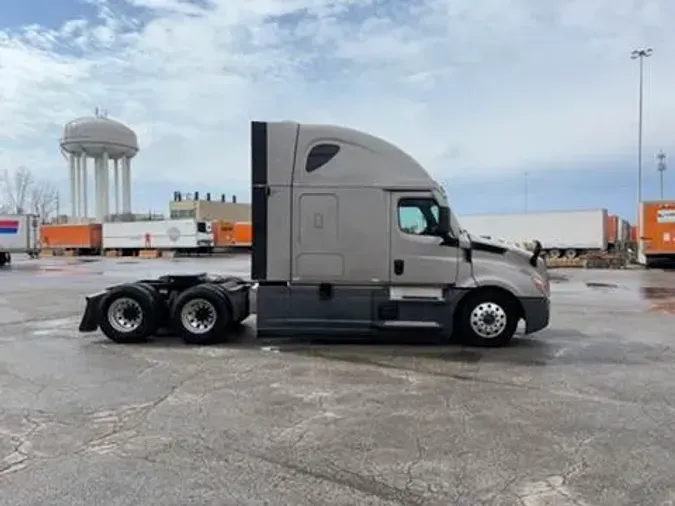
{"x":640,"y":54}
{"x":661,"y":167}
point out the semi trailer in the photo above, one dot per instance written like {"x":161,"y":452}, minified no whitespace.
{"x":181,"y":235}
{"x":351,"y":236}
{"x":18,"y":234}
{"x":568,"y":233}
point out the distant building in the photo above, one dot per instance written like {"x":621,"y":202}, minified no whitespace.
{"x":190,"y":205}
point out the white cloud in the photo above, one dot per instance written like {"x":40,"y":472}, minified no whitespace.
{"x":467,"y":87}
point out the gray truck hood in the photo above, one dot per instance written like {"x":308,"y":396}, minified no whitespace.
{"x":508,"y":250}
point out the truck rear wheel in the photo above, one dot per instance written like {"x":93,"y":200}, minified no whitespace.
{"x":202,"y":315}
{"x":129,"y":314}
{"x":487,"y":318}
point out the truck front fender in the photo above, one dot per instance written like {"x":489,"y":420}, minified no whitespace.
{"x":520,"y":286}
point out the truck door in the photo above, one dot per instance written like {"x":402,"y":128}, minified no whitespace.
{"x":417,"y":259}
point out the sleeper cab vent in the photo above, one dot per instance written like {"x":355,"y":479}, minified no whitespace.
{"x":320,"y":155}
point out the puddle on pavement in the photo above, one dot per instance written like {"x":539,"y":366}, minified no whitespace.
{"x":593,"y":284}
{"x":554,"y":277}
{"x":661,"y":299}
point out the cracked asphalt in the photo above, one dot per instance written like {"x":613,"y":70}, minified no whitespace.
{"x":579,"y":414}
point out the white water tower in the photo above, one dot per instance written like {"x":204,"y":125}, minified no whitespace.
{"x":103,"y":140}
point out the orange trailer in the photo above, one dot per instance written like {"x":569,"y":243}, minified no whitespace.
{"x":612,"y":230}
{"x":223,"y":233}
{"x":656,"y":232}
{"x":85,"y":236}
{"x":230,"y":234}
{"x":633,"y":234}
{"x":243,"y":234}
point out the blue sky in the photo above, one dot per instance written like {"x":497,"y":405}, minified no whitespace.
{"x":478,"y":92}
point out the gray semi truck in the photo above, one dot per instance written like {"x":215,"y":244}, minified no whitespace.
{"x":351,"y":236}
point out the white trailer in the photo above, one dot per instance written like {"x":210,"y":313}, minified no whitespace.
{"x":18,"y":234}
{"x":177,"y":235}
{"x":568,"y":232}
{"x":623,"y":233}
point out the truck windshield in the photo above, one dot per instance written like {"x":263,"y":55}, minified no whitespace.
{"x":418,"y":216}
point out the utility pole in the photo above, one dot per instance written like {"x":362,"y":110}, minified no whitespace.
{"x":640,"y":54}
{"x":661,"y":167}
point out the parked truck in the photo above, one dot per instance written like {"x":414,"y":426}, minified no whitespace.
{"x":351,"y":236}
{"x":568,"y":233}
{"x":18,"y":234}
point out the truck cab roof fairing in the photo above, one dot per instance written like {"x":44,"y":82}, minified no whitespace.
{"x":364,"y":160}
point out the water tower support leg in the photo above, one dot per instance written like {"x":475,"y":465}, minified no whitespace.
{"x":73,"y":187}
{"x":85,"y":184}
{"x":126,"y":185}
{"x":117,"y":186}
{"x":106,"y":172}
{"x":78,"y":189}
{"x":99,"y":185}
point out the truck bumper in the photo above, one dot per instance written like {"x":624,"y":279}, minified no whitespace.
{"x":536,"y":312}
{"x":92,"y":312}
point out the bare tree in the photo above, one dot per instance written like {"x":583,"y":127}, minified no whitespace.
{"x":44,"y":200}
{"x":23,"y":193}
{"x":16,"y":189}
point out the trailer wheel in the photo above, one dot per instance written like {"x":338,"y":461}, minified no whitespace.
{"x":129,"y":314}
{"x":3,"y":259}
{"x":202,"y":315}
{"x":487,"y":318}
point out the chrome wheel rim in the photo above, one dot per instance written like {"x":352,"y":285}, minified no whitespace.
{"x":198,"y":316}
{"x":125,"y":315}
{"x":488,"y":320}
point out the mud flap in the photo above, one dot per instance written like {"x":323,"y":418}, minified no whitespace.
{"x":92,"y":312}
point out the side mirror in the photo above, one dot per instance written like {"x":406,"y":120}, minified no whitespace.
{"x":444,"y":220}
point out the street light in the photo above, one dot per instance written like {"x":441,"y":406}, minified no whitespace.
{"x":661,"y":167}
{"x":640,"y":54}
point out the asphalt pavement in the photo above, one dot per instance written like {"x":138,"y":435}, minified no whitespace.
{"x":578,"y":414}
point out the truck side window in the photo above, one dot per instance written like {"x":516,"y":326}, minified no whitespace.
{"x":418,"y":216}
{"x":320,"y":155}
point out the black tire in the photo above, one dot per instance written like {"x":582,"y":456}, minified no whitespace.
{"x":161,"y":306}
{"x":209,"y":308}
{"x":3,"y":259}
{"x":138,"y":300}
{"x":499,"y":309}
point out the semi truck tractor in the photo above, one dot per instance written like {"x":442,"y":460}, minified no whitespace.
{"x":351,"y":236}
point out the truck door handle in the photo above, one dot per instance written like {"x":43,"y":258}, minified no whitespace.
{"x":398,"y":267}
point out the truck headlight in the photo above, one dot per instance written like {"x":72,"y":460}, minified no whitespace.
{"x":541,"y":284}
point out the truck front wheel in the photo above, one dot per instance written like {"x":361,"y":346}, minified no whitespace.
{"x":487,"y":318}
